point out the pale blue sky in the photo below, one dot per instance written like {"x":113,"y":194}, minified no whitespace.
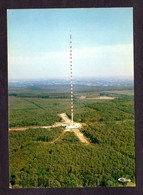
{"x":38,"y":42}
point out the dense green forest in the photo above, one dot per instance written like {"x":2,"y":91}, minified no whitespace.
{"x":55,"y":158}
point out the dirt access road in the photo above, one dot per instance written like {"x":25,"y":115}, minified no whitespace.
{"x":80,"y":136}
{"x":65,"y":118}
{"x":77,"y":132}
{"x":66,"y":121}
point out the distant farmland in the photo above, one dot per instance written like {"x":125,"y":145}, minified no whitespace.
{"x":37,"y":161}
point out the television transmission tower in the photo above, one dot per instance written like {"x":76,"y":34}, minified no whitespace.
{"x":71,"y":77}
{"x":72,"y":124}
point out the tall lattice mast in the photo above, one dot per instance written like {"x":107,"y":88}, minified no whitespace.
{"x":71,"y":77}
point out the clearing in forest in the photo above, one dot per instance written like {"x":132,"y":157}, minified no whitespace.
{"x":66,"y":121}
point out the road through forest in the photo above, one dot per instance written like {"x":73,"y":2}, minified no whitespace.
{"x":65,"y":121}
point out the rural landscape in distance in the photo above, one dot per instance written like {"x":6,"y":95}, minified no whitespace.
{"x":71,"y":98}
{"x":43,"y":154}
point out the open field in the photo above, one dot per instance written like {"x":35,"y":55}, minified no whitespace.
{"x":51,"y":157}
{"x":103,"y":98}
{"x":123,"y":92}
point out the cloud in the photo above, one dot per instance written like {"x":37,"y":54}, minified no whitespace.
{"x":104,"y":61}
{"x":89,"y":61}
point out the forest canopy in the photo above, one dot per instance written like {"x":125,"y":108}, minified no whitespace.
{"x":54,"y":158}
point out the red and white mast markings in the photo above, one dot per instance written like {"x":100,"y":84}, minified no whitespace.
{"x":71,"y":77}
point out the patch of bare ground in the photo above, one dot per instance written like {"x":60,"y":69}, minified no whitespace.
{"x":76,"y":131}
{"x":65,"y":118}
{"x":97,"y":98}
{"x":82,"y":97}
{"x":102,"y":98}
{"x":80,"y":136}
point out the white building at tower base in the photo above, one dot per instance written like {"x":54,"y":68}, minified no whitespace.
{"x":74,"y":126}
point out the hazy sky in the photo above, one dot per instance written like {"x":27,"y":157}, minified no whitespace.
{"x":38,"y":42}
